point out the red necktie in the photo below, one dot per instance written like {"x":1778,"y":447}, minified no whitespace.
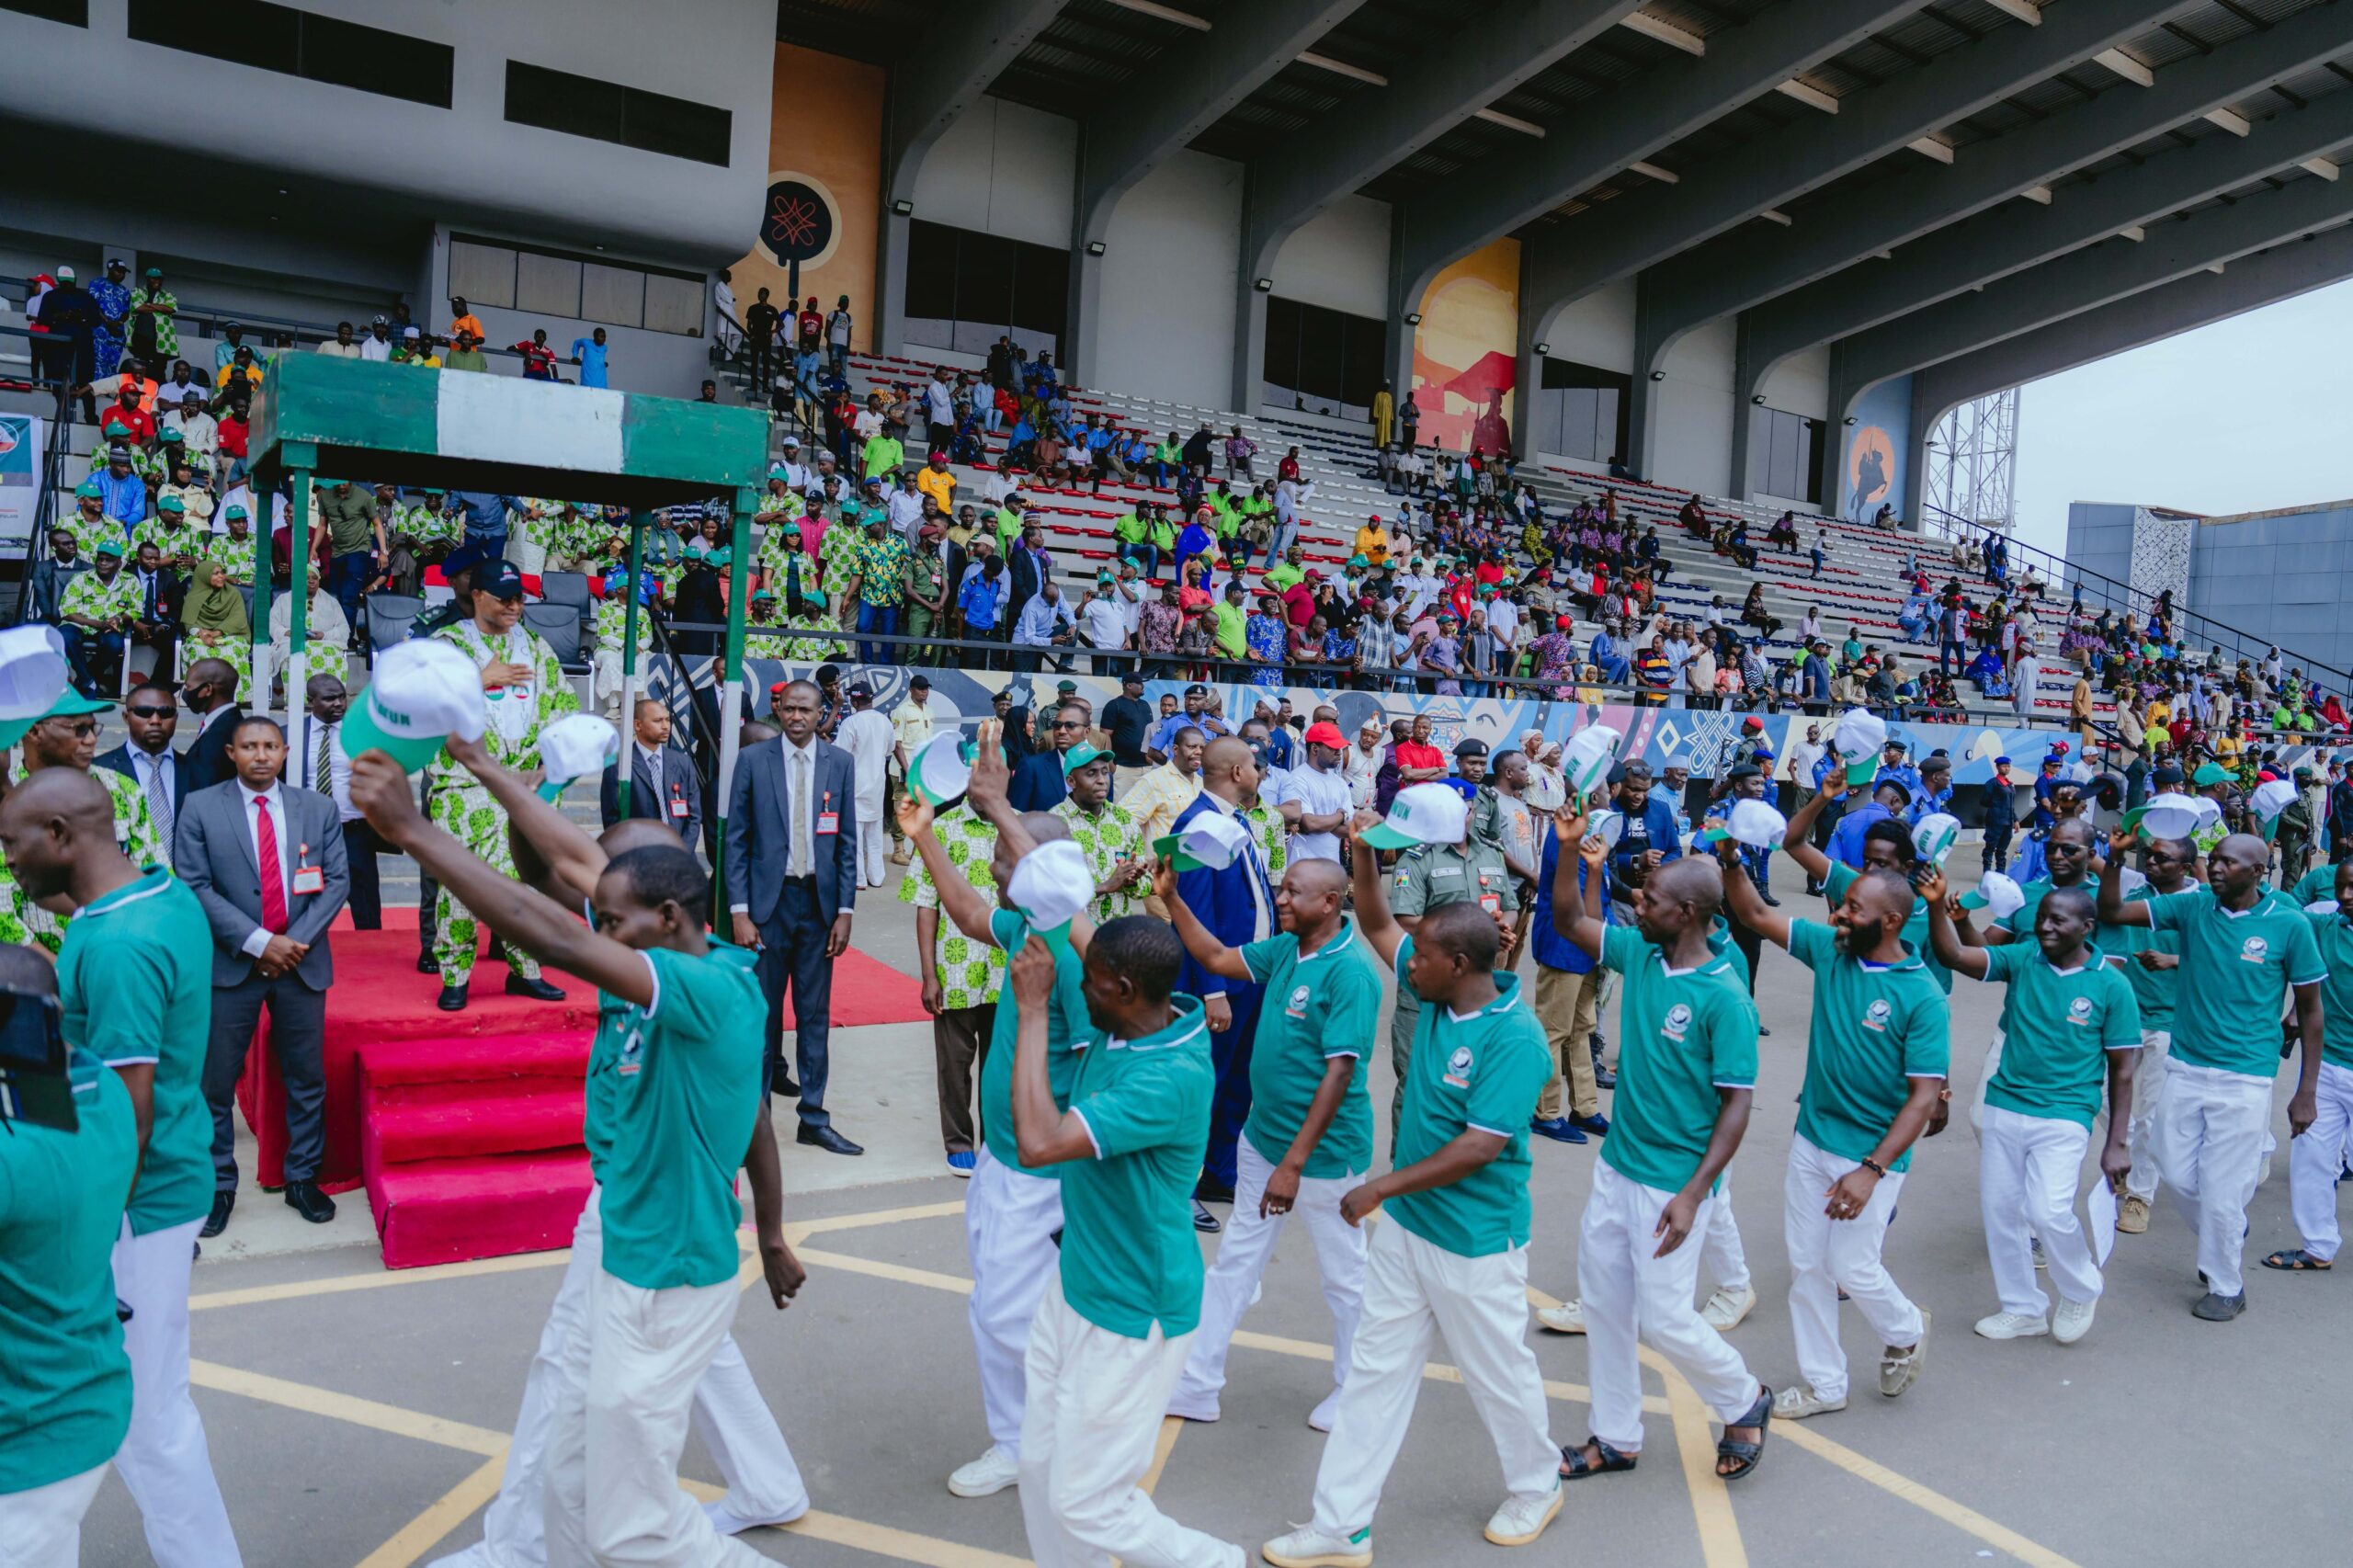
{"x":273,"y":877}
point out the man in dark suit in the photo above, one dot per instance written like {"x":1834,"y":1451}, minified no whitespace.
{"x":211,"y":687}
{"x":664,"y":786}
{"x":268,"y":864}
{"x":792,"y":877}
{"x":152,"y":714}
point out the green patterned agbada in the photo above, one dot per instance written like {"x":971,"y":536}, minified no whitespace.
{"x":467,"y":810}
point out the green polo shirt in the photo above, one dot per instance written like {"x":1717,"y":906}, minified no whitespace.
{"x":1066,"y":1031}
{"x":1130,"y":1258}
{"x":1127,"y":529}
{"x":2314,"y":885}
{"x":1875,"y":1028}
{"x":2057,"y":1026}
{"x":1482,"y":1071}
{"x":2019,"y":922}
{"x":2333,"y":935}
{"x":2153,"y":989}
{"x":1915,"y":925}
{"x":673,"y":1093}
{"x":64,"y":1379}
{"x":1683,"y":1034}
{"x":135,"y":977}
{"x":2234,"y":970}
{"x":350,"y":519}
{"x":1317,"y":1006}
{"x":1230,"y":620}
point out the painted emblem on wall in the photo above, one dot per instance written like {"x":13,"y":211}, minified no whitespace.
{"x":1870,"y":465}
{"x":801,"y":222}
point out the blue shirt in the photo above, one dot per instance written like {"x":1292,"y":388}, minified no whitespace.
{"x":1822,"y":768}
{"x":591,"y":355}
{"x":1658,"y":824}
{"x":1905,"y":774}
{"x":1163,"y":733}
{"x":1847,"y":838}
{"x":1927,"y":802}
{"x":123,"y":498}
{"x":485,"y":514}
{"x":1553,"y":950}
{"x":980,"y":602}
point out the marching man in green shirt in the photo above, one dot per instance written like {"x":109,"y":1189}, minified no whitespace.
{"x":1687,"y":1074}
{"x":134,"y":976}
{"x":1454,"y":1249}
{"x":2068,"y":1021}
{"x":1119,"y":1315}
{"x":2151,"y":964}
{"x":1877,"y":1054}
{"x":2242,"y":946}
{"x":1308,"y":1137}
{"x":2319,"y":1153}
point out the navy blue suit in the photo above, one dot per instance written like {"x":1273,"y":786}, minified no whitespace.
{"x":1037,"y":782}
{"x":1221,"y":900}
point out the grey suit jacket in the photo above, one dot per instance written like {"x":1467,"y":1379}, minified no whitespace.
{"x":759,"y":832}
{"x":213,"y":853}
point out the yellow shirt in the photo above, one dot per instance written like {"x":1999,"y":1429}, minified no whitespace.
{"x":939,"y":485}
{"x":1156,"y":799}
{"x":1372,"y":543}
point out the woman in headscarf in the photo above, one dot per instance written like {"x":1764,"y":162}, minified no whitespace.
{"x":214,"y":624}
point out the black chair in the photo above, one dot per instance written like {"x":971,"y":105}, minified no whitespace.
{"x":390,"y":617}
{"x":559,"y":625}
{"x":565,"y":588}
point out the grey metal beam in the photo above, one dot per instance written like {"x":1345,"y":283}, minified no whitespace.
{"x":1307,"y":172}
{"x":2199,"y":299}
{"x":2084,"y":280}
{"x":933,"y":82}
{"x":1737,"y":272}
{"x":1194,"y":82}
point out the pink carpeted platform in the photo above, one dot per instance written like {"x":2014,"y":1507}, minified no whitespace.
{"x":465,"y":1126}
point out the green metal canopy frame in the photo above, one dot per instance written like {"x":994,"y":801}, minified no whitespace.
{"x":321,"y":419}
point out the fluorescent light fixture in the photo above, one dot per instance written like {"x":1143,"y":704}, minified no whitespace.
{"x":1165,"y":13}
{"x":1774,"y":215}
{"x":2038,"y":193}
{"x":1508,"y":121}
{"x":1651,"y":171}
{"x":1665,"y":32}
{"x":2134,"y":231}
{"x":1931,"y":148}
{"x":2229,"y":119}
{"x":2124,"y":65}
{"x":1812,"y":97}
{"x":2320,"y":166}
{"x":1341,"y":68}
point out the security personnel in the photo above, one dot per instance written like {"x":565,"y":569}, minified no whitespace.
{"x":1449,"y":865}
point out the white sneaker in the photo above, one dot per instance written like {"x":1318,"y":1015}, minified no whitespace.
{"x":1799,"y":1401}
{"x":1566,"y":1318}
{"x":2073,"y":1320}
{"x":986,"y":1476}
{"x":1899,"y":1370}
{"x":727,"y":1521}
{"x":1195,"y":1407}
{"x":1523,"y":1517}
{"x":1308,"y":1547}
{"x":1321,"y":1416}
{"x":1724,"y":1310}
{"x":2013,"y":1326}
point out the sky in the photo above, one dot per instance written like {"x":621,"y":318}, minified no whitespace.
{"x":2244,"y":416}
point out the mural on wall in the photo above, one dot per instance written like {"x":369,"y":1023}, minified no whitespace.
{"x":821,"y":206}
{"x":1466,"y":351}
{"x":1876,"y":452}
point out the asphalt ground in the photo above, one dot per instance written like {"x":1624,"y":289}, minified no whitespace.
{"x":357,"y":1417}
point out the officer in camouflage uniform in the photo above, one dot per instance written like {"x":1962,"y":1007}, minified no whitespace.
{"x":526,"y":687}
{"x":1431,"y":876}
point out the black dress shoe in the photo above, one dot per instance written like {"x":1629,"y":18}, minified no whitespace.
{"x":306,"y":1199}
{"x":452,"y":999}
{"x":1208,"y":1189}
{"x":428,"y":964}
{"x":1603,"y":1078}
{"x":539,"y":990}
{"x":218,"y":1220}
{"x":825,"y":1138}
{"x":785,"y":1085}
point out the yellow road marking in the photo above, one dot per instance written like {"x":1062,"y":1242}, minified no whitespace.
{"x":446,"y":1513}
{"x":339,"y":1283}
{"x":1720,"y":1542}
{"x":876,"y":1217}
{"x":348,"y":1407}
{"x":1959,"y":1515}
{"x":850,"y":1264}
{"x":1161,"y":1447}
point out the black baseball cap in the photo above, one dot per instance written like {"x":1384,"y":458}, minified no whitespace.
{"x":500,"y":579}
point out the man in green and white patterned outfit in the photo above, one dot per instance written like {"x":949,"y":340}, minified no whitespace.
{"x":67,"y":736}
{"x":1104,"y":833}
{"x":961,"y":978}
{"x":525,"y":688}
{"x":610,"y":620}
{"x":426,"y":522}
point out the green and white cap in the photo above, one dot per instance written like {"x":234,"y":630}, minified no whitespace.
{"x":422,"y":692}
{"x":1051,"y":884}
{"x":1210,"y":842}
{"x":575,"y":746}
{"x":1585,"y":760}
{"x":1753,"y":822}
{"x":1422,"y":814}
{"x":2167,"y":816}
{"x":1079,"y":756}
{"x":2270,"y":798}
{"x":942,"y":767}
{"x":1859,"y":736}
{"x":33,"y":671}
{"x":1608,"y":826}
{"x":1934,"y":835}
{"x":1996,"y":894}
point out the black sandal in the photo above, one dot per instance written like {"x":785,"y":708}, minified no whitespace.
{"x":1758,"y":1415}
{"x":2296,"y":1260}
{"x":1576,"y":1467}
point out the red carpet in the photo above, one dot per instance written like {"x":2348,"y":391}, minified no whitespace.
{"x":465,"y":1125}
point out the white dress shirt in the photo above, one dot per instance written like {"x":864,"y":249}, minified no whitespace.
{"x":257,"y":942}
{"x":302,"y":761}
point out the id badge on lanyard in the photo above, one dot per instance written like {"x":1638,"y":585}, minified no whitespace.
{"x":828,"y":820}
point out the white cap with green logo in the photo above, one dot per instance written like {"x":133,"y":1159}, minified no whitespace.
{"x":1422,"y":814}
{"x":422,"y":692}
{"x":575,"y":746}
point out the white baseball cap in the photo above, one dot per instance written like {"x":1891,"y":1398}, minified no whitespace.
{"x":573,"y":747}
{"x":1860,"y":737}
{"x":2270,"y":798}
{"x":1051,"y":884}
{"x":1756,"y":823}
{"x":1210,"y":842}
{"x":942,"y":767}
{"x":2167,"y":816}
{"x":422,"y":692}
{"x":1933,"y":837}
{"x":1422,"y":814}
{"x":1996,"y":894}
{"x":1586,"y":758}
{"x":33,"y":670}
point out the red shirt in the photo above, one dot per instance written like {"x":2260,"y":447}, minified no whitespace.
{"x":137,"y":420}
{"x":1411,"y":754}
{"x":1299,"y":604}
{"x":232,"y":435}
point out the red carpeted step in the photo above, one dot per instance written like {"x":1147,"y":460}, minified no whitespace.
{"x":486,"y":1119}
{"x":474,"y":1058}
{"x":447,"y":1211}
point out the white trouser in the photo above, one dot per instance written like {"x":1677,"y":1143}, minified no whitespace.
{"x":617,"y":1422}
{"x":1009,"y":1224}
{"x":2213,"y":1128}
{"x":1722,"y":1258}
{"x":2314,"y":1159}
{"x":2140,"y":1134}
{"x":1232,"y":1279}
{"x":1093,"y":1417}
{"x":1629,"y":1295}
{"x":1827,"y":1255}
{"x":1986,"y":1071}
{"x":1481,"y":1305}
{"x":2027,"y":1171}
{"x":729,"y":1416}
{"x":43,"y":1527}
{"x":873,"y":850}
{"x":164,"y":1459}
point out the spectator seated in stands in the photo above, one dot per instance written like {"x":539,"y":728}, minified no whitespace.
{"x":1736,"y":545}
{"x":1985,"y":671}
{"x":1609,"y":657}
{"x":1783,"y":534}
{"x":1914,"y":618}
